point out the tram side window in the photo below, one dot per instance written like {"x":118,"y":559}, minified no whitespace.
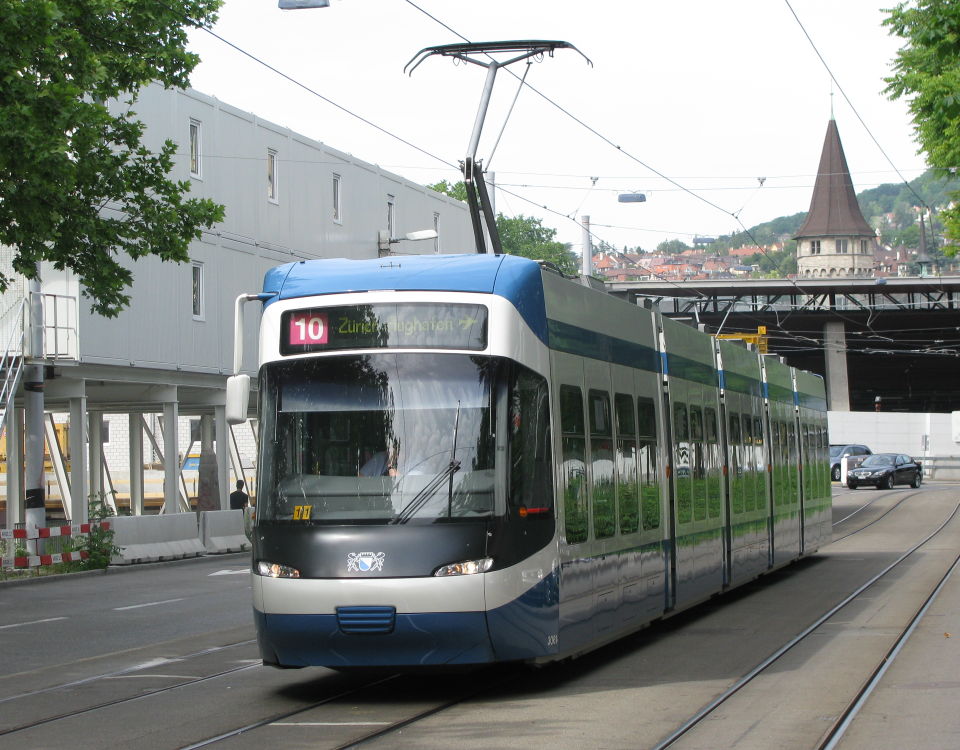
{"x":793,"y":461}
{"x":647,"y":463}
{"x":628,"y":494}
{"x":753,"y":492}
{"x":573,"y":445}
{"x":698,"y":464}
{"x":712,"y":445}
{"x":778,"y":446}
{"x":531,"y":465}
{"x":601,"y":462}
{"x":736,"y":464}
{"x":760,"y":462}
{"x":682,"y":457}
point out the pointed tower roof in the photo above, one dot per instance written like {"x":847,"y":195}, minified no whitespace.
{"x":834,"y":210}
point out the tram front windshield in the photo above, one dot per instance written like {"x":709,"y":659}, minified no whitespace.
{"x":379,"y":438}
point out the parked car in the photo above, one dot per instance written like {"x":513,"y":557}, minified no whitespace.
{"x":884,"y":470}
{"x":837,"y":452}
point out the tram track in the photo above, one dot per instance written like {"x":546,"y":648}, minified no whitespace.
{"x":906,"y":496}
{"x":86,"y":681}
{"x":489,"y":682}
{"x":835,"y":732}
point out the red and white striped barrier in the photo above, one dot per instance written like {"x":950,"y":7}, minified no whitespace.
{"x":53,"y":531}
{"x":33,"y":561}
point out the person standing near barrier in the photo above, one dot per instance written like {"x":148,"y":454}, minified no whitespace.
{"x":238,"y":498}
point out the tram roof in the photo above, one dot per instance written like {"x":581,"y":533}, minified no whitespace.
{"x":489,"y":274}
{"x":510,"y":276}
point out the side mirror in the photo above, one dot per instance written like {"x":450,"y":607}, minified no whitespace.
{"x":238,"y":399}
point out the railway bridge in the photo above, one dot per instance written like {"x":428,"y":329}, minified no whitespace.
{"x":890,"y":344}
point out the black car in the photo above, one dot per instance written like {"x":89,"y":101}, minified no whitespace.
{"x":837,"y":452}
{"x":884,"y":470}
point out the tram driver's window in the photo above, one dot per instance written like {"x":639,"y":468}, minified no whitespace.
{"x":531,"y":463}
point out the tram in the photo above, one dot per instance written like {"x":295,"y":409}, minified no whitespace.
{"x":473,"y":459}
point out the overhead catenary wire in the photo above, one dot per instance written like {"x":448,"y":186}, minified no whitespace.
{"x":452,"y":166}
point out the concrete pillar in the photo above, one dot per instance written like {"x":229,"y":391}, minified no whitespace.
{"x":171,"y":458}
{"x":79,"y":507}
{"x":35,"y":497}
{"x":96,"y":455}
{"x":835,"y":356}
{"x":135,"y":422}
{"x":208,"y":494}
{"x":15,"y":512}
{"x":223,"y":455}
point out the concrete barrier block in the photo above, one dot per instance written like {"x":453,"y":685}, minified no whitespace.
{"x":186,"y":535}
{"x":222,"y":531}
{"x":126,"y":536}
{"x":153,"y":537}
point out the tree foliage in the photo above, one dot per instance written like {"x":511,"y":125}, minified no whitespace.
{"x":926,"y":71}
{"x":522,"y":235}
{"x":77,"y":187}
{"x":526,"y":236}
{"x":455,"y":189}
{"x":672,"y":247}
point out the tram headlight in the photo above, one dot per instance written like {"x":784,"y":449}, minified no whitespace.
{"x":276,"y":570}
{"x":465,"y":568}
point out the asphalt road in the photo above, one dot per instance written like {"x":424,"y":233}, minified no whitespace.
{"x":167,"y":653}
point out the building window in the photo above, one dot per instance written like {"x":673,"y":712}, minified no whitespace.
{"x":865,"y":246}
{"x":436,"y":228}
{"x":337,"y":213}
{"x":198,"y":302}
{"x":814,"y":247}
{"x":391,"y":214}
{"x":841,"y":246}
{"x":272,"y":175}
{"x":196,"y":154}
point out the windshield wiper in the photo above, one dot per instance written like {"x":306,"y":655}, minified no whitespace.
{"x":434,"y":484}
{"x":426,"y":493}
{"x":453,"y":460}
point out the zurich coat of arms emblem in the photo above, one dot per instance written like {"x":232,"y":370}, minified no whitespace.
{"x":364,"y":562}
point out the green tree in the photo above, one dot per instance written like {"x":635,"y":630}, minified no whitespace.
{"x":455,"y":190}
{"x":77,"y":187}
{"x":672,"y":247}
{"x":526,"y":236}
{"x":926,"y":71}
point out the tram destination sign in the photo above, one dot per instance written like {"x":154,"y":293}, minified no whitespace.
{"x":414,"y":325}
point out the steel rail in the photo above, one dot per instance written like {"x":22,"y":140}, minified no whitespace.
{"x":687,"y":726}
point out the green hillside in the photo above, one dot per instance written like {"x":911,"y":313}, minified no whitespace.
{"x":891,"y":208}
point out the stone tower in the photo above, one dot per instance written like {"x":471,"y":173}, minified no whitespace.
{"x":835,"y":240}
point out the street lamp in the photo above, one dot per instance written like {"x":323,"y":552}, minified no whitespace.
{"x":631,"y":198}
{"x":298,"y":4}
{"x":384,"y":240}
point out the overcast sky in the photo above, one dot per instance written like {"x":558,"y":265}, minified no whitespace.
{"x":709,"y":95}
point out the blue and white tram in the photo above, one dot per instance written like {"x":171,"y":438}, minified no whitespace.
{"x":470,"y":459}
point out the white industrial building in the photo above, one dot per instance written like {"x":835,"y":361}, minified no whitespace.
{"x":137,"y":381}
